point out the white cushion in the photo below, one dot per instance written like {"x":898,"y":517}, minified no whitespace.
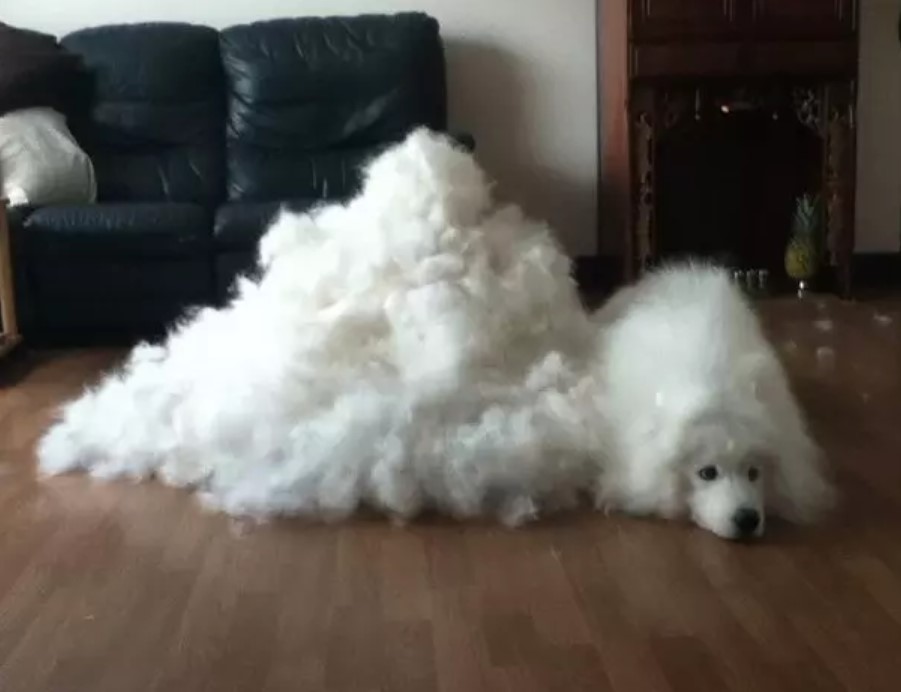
{"x":40,"y":161}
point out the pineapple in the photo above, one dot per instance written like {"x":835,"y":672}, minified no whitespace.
{"x":802,"y":254}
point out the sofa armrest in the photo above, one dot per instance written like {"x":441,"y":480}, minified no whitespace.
{"x":25,"y":304}
{"x":17,"y":215}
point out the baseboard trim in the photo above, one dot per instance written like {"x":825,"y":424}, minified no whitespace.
{"x":601,"y":274}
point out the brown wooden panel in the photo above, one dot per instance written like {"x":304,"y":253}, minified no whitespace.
{"x":614,"y":171}
{"x":828,"y":58}
{"x":683,"y":19}
{"x":801,"y":19}
{"x":687,"y":60}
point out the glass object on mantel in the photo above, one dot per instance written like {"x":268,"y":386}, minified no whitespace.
{"x":802,"y":255}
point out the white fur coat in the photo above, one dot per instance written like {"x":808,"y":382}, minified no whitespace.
{"x":418,"y":347}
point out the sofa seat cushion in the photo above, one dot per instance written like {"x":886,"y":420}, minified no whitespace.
{"x":64,"y":286}
{"x":119,"y":230}
{"x":241,"y":225}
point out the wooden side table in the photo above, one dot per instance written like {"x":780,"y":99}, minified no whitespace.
{"x":9,"y":336}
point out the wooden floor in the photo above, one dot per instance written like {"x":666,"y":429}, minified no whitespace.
{"x":122,"y":588}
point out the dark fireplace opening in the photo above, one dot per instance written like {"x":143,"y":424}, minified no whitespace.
{"x":728,"y":173}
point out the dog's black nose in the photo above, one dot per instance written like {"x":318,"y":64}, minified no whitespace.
{"x":746,"y":521}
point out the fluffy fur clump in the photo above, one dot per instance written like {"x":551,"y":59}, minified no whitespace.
{"x":416,"y":347}
{"x":422,"y":347}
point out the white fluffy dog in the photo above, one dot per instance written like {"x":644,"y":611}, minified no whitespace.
{"x":422,"y":348}
{"x":701,"y":420}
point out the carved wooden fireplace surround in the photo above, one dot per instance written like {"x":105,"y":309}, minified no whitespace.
{"x":662,"y":61}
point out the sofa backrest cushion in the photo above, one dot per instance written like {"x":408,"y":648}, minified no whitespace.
{"x":310,"y":99}
{"x":154,"y":122}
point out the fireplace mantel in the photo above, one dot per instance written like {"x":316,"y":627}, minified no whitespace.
{"x":665,"y":60}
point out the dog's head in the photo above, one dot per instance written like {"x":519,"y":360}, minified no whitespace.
{"x":723,"y":475}
{"x":738,"y":464}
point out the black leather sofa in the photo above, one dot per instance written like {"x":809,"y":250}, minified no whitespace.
{"x":198,"y":137}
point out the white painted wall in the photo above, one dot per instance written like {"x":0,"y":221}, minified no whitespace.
{"x":521,"y":79}
{"x":879,"y":128}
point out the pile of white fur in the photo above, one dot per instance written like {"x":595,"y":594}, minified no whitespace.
{"x":418,"y":347}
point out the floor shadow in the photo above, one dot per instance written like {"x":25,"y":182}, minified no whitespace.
{"x":18,"y":365}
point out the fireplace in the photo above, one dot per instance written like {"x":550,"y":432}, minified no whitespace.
{"x":716,"y":115}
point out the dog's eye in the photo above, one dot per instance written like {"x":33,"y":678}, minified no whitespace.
{"x":753,"y":473}
{"x":708,"y":473}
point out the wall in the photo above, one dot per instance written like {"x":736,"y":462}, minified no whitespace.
{"x":879,"y":128}
{"x":521,"y":79}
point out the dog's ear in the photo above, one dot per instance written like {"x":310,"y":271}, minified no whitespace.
{"x":798,"y":487}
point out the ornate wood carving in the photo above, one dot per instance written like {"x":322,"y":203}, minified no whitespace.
{"x":664,"y":63}
{"x":644,"y":125}
{"x":808,"y":105}
{"x":826,"y":109}
{"x":676,"y":104}
{"x":838,"y":173}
